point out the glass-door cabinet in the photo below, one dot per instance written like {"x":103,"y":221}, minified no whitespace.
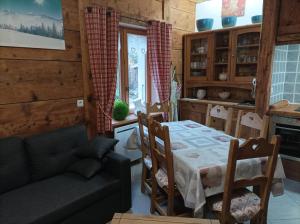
{"x":198,"y":56}
{"x":245,"y":49}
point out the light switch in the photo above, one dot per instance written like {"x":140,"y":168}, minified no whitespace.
{"x":80,"y":103}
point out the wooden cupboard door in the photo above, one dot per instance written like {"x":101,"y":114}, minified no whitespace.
{"x":289,"y":22}
{"x":198,"y":56}
{"x":245,"y":49}
{"x":193,"y":111}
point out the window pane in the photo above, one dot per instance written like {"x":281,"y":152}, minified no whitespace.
{"x":137,"y":68}
{"x":118,"y":89}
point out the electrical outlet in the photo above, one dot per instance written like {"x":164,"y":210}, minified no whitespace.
{"x":80,"y":103}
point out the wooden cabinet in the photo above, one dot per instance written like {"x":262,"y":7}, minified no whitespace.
{"x":288,"y":22}
{"x":221,"y":60}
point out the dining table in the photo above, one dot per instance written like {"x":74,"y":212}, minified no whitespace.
{"x":200,"y":155}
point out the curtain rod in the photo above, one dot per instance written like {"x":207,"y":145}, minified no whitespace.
{"x":148,"y":22}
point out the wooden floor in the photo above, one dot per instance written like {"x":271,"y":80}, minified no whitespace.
{"x":284,"y":209}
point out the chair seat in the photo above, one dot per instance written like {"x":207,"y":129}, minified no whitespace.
{"x":244,"y":205}
{"x":161,"y":178}
{"x":148,"y":162}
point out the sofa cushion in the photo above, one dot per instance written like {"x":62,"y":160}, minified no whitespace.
{"x":54,"y":199}
{"x":97,"y":148}
{"x":86,"y":167}
{"x":51,"y":153}
{"x":14,"y":170}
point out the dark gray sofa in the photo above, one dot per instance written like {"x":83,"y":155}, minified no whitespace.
{"x":35,"y":187}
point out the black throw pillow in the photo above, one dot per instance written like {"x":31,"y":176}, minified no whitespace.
{"x":86,"y":167}
{"x":97,"y":148}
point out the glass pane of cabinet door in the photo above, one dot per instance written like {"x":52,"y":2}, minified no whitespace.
{"x":221,"y":68}
{"x":245,"y":53}
{"x":198,"y":57}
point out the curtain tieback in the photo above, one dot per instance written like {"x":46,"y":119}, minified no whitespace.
{"x":100,"y":107}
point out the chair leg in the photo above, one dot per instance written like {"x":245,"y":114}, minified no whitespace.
{"x":170,"y":211}
{"x":153,"y":195}
{"x":144,"y":176}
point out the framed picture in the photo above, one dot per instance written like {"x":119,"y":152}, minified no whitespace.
{"x":233,"y":7}
{"x":32,"y":24}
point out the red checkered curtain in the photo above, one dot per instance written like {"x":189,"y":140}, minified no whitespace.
{"x":102,"y":34}
{"x":159,"y":58}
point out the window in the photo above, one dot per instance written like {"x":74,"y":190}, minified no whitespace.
{"x":132,"y":83}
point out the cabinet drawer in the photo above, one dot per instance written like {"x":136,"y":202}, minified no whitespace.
{"x":191,"y":115}
{"x":196,"y":107}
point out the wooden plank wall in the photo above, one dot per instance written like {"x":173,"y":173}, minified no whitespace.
{"x":182,"y":16}
{"x":39,"y":88}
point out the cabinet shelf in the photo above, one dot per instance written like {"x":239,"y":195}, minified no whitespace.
{"x":222,"y":48}
{"x":246,"y":63}
{"x":197,"y":69}
{"x":200,"y":54}
{"x":221,"y":63}
{"x":248,"y":46}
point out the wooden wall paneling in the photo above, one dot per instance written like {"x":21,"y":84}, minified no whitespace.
{"x":39,"y":87}
{"x":184,"y":5}
{"x":31,"y":118}
{"x":89,"y":102}
{"x":70,"y":14}
{"x":177,"y":60}
{"x":72,"y":52}
{"x":267,"y":44}
{"x":30,"y":81}
{"x":182,"y":20}
{"x":144,"y":10}
{"x":289,"y":22}
{"x":177,"y":39}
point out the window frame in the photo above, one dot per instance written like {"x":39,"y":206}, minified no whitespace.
{"x":124,"y":79}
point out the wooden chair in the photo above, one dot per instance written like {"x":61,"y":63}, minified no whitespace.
{"x":237,"y":203}
{"x":163,"y":173}
{"x":253,"y":121}
{"x":160,"y":108}
{"x":221,"y":113}
{"x":146,"y":156}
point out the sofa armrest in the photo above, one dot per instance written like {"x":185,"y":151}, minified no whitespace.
{"x":119,"y":167}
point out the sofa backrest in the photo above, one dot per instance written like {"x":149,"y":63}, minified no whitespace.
{"x":14,"y":167}
{"x":51,"y":153}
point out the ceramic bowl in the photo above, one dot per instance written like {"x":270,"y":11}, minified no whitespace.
{"x":201,"y":93}
{"x":229,"y":21}
{"x":223,"y":76}
{"x":224,"y":95}
{"x":256,"y":19}
{"x":204,"y":24}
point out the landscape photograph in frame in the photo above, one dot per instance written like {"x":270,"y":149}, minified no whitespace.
{"x":32,"y":24}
